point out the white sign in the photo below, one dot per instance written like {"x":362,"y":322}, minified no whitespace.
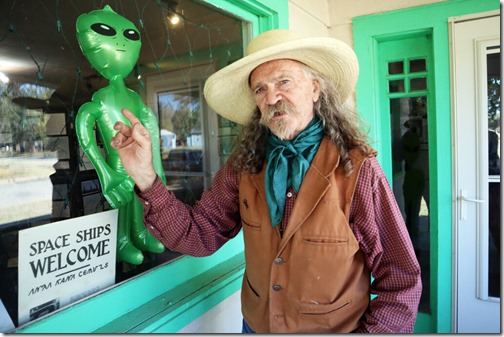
{"x":62,"y":262}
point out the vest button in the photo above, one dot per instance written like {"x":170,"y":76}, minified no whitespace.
{"x":278,"y":260}
{"x":277,"y":287}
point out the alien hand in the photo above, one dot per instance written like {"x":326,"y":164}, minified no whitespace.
{"x":118,"y":189}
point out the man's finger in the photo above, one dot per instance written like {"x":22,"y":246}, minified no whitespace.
{"x":120,"y":141}
{"x":123,"y":128}
{"x":130,"y":116}
{"x":141,"y":135}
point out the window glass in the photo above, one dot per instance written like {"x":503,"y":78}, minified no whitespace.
{"x":418,"y":84}
{"x":418,"y":65}
{"x":494,"y":163}
{"x":45,"y":176}
{"x":396,"y":67}
{"x":396,"y":86}
{"x":410,"y":160}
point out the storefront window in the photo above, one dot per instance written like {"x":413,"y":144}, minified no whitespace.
{"x":45,"y":176}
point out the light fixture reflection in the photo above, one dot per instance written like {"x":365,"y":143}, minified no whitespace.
{"x":3,"y":78}
{"x":174,"y":19}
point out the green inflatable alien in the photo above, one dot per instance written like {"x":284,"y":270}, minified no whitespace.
{"x":112,"y":44}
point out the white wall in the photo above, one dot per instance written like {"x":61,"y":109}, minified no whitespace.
{"x":334,"y":17}
{"x":225,"y":317}
{"x":309,"y":18}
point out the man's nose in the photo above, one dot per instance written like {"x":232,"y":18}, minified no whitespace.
{"x":272,"y":96}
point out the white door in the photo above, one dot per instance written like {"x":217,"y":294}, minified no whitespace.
{"x":476,"y":116}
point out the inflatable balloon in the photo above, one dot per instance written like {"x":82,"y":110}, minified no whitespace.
{"x":111,"y":43}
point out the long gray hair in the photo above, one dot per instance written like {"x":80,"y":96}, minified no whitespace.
{"x":339,"y":118}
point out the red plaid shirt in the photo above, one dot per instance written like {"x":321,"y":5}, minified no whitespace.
{"x":375,"y":219}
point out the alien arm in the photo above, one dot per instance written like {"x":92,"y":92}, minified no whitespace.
{"x":151,"y":124}
{"x":115,"y":185}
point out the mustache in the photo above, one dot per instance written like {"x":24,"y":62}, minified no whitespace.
{"x":280,"y":107}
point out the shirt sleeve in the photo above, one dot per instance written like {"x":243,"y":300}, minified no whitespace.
{"x":197,"y":230}
{"x":382,"y":234}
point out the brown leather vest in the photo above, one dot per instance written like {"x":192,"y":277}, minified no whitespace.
{"x":314,"y":278}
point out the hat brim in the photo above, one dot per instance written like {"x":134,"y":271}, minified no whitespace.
{"x":228,"y":93}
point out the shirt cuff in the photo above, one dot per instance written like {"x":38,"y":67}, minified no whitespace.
{"x":149,"y":197}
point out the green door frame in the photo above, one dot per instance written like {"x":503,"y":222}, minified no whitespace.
{"x":415,"y":45}
{"x":167,"y":298}
{"x":368,"y":31}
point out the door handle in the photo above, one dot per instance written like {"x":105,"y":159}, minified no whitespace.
{"x":463,"y":209}
{"x":472,"y":200}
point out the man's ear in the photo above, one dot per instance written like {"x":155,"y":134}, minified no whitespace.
{"x":316,"y":90}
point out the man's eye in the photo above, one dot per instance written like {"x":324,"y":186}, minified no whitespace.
{"x":258,"y":91}
{"x":282,"y":82}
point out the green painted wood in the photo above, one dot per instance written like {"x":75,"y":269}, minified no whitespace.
{"x":368,"y":32}
{"x":163,"y":313}
{"x":262,"y":15}
{"x":412,"y":45}
{"x":409,"y":46}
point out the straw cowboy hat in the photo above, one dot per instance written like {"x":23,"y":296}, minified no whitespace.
{"x":228,"y":93}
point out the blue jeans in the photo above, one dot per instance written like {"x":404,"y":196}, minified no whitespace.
{"x":246,"y":328}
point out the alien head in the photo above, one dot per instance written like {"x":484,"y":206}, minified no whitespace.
{"x":109,"y":41}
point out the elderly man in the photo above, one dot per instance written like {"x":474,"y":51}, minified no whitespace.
{"x":317,"y":212}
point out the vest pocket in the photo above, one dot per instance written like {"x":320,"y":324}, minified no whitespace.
{"x":250,"y":286}
{"x":249,"y":225}
{"x":323,"y":240}
{"x":251,"y":302}
{"x":322,"y":309}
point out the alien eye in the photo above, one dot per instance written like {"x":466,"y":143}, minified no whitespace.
{"x":131,"y":34}
{"x":103,"y":29}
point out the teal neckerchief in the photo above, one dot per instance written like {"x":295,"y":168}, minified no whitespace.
{"x":287,"y":163}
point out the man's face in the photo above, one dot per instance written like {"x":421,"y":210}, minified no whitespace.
{"x":285,"y":95}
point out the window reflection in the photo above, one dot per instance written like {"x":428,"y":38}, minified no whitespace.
{"x":494,"y":166}
{"x":396,"y":67}
{"x":396,"y":86}
{"x":418,"y":65}
{"x":418,"y":84}
{"x":410,"y":161}
{"x":182,"y":143}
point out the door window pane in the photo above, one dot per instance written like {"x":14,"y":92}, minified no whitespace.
{"x":494,"y":161}
{"x":418,"y":84}
{"x":417,"y":66}
{"x":396,"y":86}
{"x":396,"y":67}
{"x":410,"y":160}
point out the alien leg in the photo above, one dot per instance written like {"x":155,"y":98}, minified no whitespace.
{"x":141,"y":237}
{"x":126,"y":251}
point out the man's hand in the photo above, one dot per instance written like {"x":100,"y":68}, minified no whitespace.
{"x":133,"y":144}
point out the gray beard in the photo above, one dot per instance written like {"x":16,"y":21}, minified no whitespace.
{"x":279,"y":127}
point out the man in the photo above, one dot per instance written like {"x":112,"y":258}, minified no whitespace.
{"x":317,"y":213}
